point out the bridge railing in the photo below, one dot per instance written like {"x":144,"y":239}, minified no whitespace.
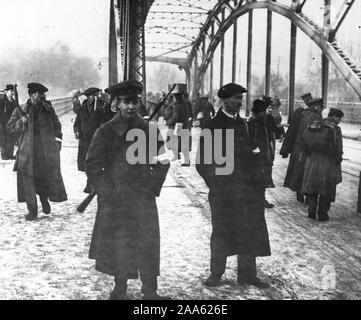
{"x":62,"y":105}
{"x":352,"y":110}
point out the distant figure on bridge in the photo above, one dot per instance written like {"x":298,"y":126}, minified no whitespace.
{"x":321,"y":146}
{"x":126,"y":240}
{"x":176,"y":117}
{"x":295,"y":170}
{"x":92,"y":114}
{"x":291,"y":135}
{"x":236,"y":200}
{"x":292,"y":130}
{"x":7,"y":107}
{"x":262,"y":130}
{"x":38,"y":159}
{"x":76,"y":101}
{"x":203,"y":111}
{"x":274,"y":109}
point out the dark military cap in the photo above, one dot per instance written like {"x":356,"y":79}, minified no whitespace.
{"x":91,"y":91}
{"x":9,"y":87}
{"x":335,"y":113}
{"x":268,"y":100}
{"x":316,"y":102}
{"x":306,"y":97}
{"x":259,"y":106}
{"x":129,"y":87}
{"x":230,"y":90}
{"x":36,"y":87}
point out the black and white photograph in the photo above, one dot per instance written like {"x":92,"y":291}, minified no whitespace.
{"x":191,"y":150}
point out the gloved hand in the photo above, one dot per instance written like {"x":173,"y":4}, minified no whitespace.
{"x":77,"y":135}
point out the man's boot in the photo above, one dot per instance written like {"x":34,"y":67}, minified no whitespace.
{"x":120,"y":289}
{"x":324,"y":206}
{"x":212,"y":281}
{"x":149,"y":289}
{"x":33,"y":211}
{"x":300,"y":197}
{"x":45,"y":204}
{"x":247,"y":272}
{"x":312,"y":200}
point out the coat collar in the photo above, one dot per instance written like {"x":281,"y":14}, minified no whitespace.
{"x":221,"y":115}
{"x":330,"y":122}
{"x":120,"y":126}
{"x":26,"y":105}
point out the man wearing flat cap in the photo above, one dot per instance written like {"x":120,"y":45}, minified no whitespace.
{"x":126,"y":239}
{"x":294,"y":175}
{"x":38,"y":130}
{"x":7,"y":106}
{"x":89,"y":117}
{"x":236,"y":199}
{"x":321,"y":144}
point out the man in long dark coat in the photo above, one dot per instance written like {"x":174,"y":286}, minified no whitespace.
{"x":90,"y":117}
{"x":38,"y":160}
{"x":291,"y":134}
{"x":294,"y":175}
{"x":262,"y":130}
{"x":236,"y":199}
{"x":321,"y":145}
{"x":7,"y":107}
{"x":126,"y":239}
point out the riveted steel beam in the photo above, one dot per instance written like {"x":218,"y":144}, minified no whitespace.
{"x":341,"y":15}
{"x":294,"y":15}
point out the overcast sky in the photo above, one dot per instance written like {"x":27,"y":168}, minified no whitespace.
{"x":83,"y":25}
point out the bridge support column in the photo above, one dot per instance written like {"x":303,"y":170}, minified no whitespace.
{"x":113,"y":48}
{"x":325,"y":60}
{"x":268,"y":53}
{"x":136,"y":68}
{"x":249,"y":62}
{"x":211,"y":70}
{"x":234,"y":49}
{"x":292,"y":71}
{"x":203,"y":54}
{"x":221,"y":78}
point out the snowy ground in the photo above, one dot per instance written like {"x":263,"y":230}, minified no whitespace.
{"x":47,"y":259}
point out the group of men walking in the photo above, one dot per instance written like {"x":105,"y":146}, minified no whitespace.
{"x":126,"y":238}
{"x":315,"y":148}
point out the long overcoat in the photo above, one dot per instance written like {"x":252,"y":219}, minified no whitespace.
{"x":237,"y":199}
{"x":295,"y":170}
{"x":263,"y":131}
{"x":87,"y":121}
{"x":126,"y":235}
{"x":50,"y":129}
{"x":322,"y":170}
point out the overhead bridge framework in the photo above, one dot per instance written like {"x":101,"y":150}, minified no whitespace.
{"x":131,"y":35}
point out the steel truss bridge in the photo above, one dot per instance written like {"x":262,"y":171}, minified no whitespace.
{"x":189,"y":32}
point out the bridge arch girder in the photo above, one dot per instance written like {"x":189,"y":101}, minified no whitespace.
{"x":297,"y":18}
